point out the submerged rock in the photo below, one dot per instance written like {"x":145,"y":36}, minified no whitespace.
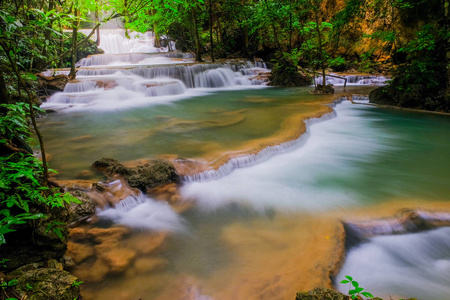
{"x":150,"y":175}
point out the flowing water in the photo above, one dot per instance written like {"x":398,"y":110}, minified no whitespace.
{"x":254,"y":226}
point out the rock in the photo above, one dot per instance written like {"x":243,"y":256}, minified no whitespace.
{"x":77,"y":234}
{"x":149,"y":264}
{"x":148,"y":176}
{"x":54,"y":264}
{"x":320,"y":89}
{"x":47,"y":283}
{"x":95,"y":272}
{"x":321,"y":293}
{"x":79,"y":252}
{"x":52,"y":84}
{"x":83,"y":210}
{"x":118,"y":259}
{"x":146,"y":243}
{"x":113,"y":234}
{"x":286,"y":74}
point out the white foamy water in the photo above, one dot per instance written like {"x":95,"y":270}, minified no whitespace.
{"x":402,"y":266}
{"x":308,"y":177}
{"x":142,"y":212}
{"x":353,"y":80}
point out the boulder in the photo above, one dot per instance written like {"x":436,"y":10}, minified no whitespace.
{"x":322,"y":293}
{"x":118,"y":259}
{"x":47,"y":283}
{"x":95,"y":272}
{"x":286,"y":74}
{"x":149,"y":264}
{"x":77,"y":234}
{"x":79,"y":252}
{"x":320,"y":89}
{"x":81,"y":211}
{"x":150,"y":175}
{"x":102,"y":235}
{"x":52,"y":84}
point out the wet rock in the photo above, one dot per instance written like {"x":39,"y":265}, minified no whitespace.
{"x":95,"y":272}
{"x":77,"y":234}
{"x":83,"y":210}
{"x":286,"y":74}
{"x":322,"y":293}
{"x":51,"y":84}
{"x":149,"y":264}
{"x":154,"y":173}
{"x":320,"y":89}
{"x":146,"y":243}
{"x":47,"y":283}
{"x":118,"y":259}
{"x":101,"y":235}
{"x":79,"y":252}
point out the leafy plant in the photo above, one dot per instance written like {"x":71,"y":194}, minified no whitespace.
{"x":354,"y":289}
{"x":77,"y":283}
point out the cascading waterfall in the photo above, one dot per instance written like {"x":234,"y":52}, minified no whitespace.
{"x":408,"y":265}
{"x":353,"y":80}
{"x":142,"y":212}
{"x":128,"y":74}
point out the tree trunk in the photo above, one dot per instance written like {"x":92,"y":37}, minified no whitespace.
{"x":73,"y":73}
{"x":4,"y":95}
{"x":30,"y":105}
{"x":245,"y":36}
{"x":321,"y":56}
{"x":98,"y":28}
{"x":198,"y":55}
{"x":211,"y":30}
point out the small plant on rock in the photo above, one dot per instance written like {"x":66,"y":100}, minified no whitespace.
{"x":354,"y":289}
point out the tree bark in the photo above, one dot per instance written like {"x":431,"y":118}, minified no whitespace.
{"x":4,"y":95}
{"x":211,"y":30}
{"x":30,"y":105}
{"x":198,"y":55}
{"x":321,"y":56}
{"x":73,"y":73}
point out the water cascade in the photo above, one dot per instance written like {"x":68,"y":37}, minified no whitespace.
{"x":120,"y":77}
{"x":402,"y":266}
{"x":257,"y":218}
{"x":353,"y":80}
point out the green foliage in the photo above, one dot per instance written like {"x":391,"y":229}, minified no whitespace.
{"x":355,"y":290}
{"x":77,"y":283}
{"x":22,"y":197}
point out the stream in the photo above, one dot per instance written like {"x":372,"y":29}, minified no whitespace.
{"x":258,"y":230}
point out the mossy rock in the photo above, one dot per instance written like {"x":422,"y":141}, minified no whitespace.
{"x":286,"y":74}
{"x":150,"y":175}
{"x":48,"y":283}
{"x":321,"y":293}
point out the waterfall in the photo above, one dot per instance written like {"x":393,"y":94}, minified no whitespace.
{"x":408,"y":265}
{"x":353,"y":80}
{"x":142,"y":212}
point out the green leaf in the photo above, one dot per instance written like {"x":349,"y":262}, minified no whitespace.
{"x":355,"y":284}
{"x":367,"y":294}
{"x":344,"y":281}
{"x":352,"y":292}
{"x":349,"y":278}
